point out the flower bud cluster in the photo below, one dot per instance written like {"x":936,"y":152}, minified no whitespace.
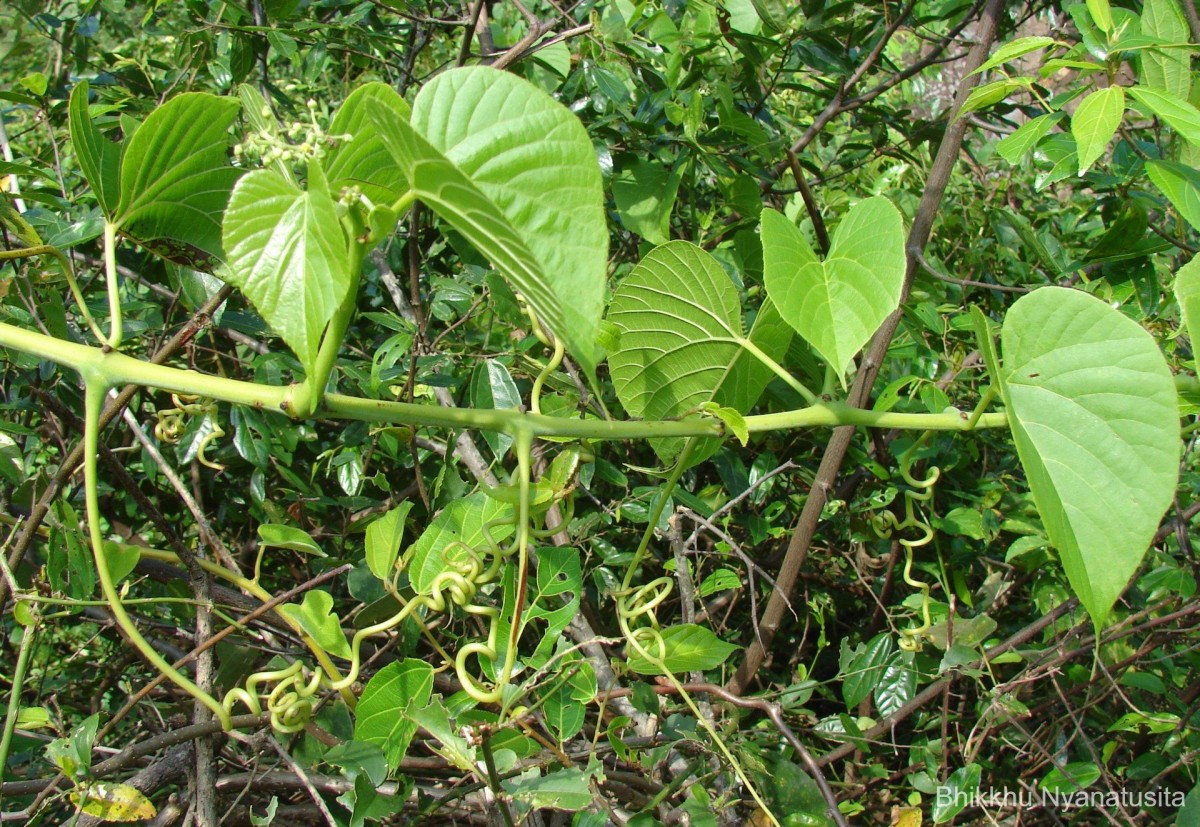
{"x":296,"y":143}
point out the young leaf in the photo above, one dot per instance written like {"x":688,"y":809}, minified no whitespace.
{"x":383,"y":540}
{"x":316,"y":616}
{"x":285,"y":536}
{"x":1015,"y":49}
{"x":1101,"y":13}
{"x":288,"y":254}
{"x":1095,"y":122}
{"x":514,"y":172}
{"x":1014,"y":147}
{"x":99,"y":158}
{"x":1093,"y":412}
{"x":381,"y":717}
{"x":837,"y":304}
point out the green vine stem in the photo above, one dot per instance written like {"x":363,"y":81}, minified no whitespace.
{"x":76,"y":293}
{"x":95,"y":389}
{"x":14,"y":696}
{"x":116,"y":368}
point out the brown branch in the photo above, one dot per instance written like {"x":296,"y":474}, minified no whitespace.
{"x":831,"y":462}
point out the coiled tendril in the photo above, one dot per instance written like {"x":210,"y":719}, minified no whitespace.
{"x":886,"y":522}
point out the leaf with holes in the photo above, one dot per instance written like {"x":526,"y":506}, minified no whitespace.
{"x":837,"y":304}
{"x":1093,"y":412}
{"x":515,"y":173}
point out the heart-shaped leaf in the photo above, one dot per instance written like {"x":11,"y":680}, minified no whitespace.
{"x":288,"y":254}
{"x":1093,"y":412}
{"x":837,"y":304}
{"x":689,"y":648}
{"x":681,"y":342}
{"x":515,"y":172}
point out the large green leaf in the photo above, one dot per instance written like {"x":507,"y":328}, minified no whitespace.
{"x":837,"y":304}
{"x":381,"y":717}
{"x":288,"y":254}
{"x":681,"y":345}
{"x":175,"y":179}
{"x":1095,"y":122}
{"x":168,"y":184}
{"x":1093,"y":414}
{"x":514,"y":172}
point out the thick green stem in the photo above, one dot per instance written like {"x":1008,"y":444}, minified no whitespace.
{"x":95,"y":389}
{"x":116,"y":368}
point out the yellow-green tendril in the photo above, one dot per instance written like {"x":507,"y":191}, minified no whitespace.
{"x":171,"y":424}
{"x":886,"y":522}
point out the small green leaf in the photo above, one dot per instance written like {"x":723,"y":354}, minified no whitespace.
{"x":1016,"y":146}
{"x":837,"y":304}
{"x":1071,"y":778}
{"x":735,"y":423}
{"x":1093,"y":412}
{"x":435,"y":720}
{"x":987,"y":94}
{"x":285,"y":536}
{"x":689,"y":648}
{"x":864,"y":668}
{"x":493,"y":388}
{"x":383,"y":540}
{"x":645,"y":196}
{"x":316,"y":616}
{"x":288,"y":253}
{"x":33,"y":717}
{"x":382,"y":718}
{"x":954,"y":796}
{"x":1181,"y":185}
{"x":897,"y":685}
{"x":12,"y":468}
{"x":1095,"y":122}
{"x":1101,"y":13}
{"x":1014,"y":49}
{"x":121,"y":559}
{"x":1178,"y":113}
{"x":99,"y":158}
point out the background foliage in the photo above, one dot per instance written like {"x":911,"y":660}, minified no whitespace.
{"x":1077,"y":169}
